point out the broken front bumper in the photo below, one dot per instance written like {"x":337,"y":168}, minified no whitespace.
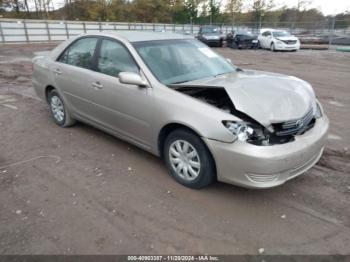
{"x":252,"y":166}
{"x":283,"y":46}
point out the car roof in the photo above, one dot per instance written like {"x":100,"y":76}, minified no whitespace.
{"x":210,"y":26}
{"x":262,"y":30}
{"x":140,"y":36}
{"x":242,"y":31}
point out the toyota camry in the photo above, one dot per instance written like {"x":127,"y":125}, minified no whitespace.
{"x":173,"y":96}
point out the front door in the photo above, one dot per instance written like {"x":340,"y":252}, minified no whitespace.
{"x":127,"y":109}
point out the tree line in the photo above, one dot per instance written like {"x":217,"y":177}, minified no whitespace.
{"x":167,"y":11}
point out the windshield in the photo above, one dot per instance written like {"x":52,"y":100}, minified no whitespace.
{"x":280,"y":33}
{"x":210,"y":30}
{"x":179,"y":61}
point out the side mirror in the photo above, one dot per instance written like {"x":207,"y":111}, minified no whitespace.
{"x":229,"y":60}
{"x":131,"y":78}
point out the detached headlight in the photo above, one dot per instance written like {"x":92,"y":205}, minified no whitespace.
{"x":241,"y":130}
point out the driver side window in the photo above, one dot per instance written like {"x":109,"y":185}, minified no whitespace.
{"x":115,"y":58}
{"x":79,"y":53}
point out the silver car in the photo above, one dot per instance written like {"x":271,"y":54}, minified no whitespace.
{"x":173,"y":96}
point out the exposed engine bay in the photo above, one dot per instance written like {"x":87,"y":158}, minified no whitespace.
{"x":258,"y":134}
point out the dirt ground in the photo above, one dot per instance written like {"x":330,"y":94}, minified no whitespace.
{"x":81,"y":191}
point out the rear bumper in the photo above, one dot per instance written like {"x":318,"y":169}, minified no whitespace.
{"x":213,"y":42}
{"x":253,"y":166}
{"x":247,"y":44}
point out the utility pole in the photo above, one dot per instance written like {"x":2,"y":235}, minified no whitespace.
{"x":331,"y":33}
{"x":211,"y":11}
{"x":191,"y":21}
{"x":261,"y":16}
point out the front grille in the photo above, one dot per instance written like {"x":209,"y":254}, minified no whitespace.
{"x":297,"y":126}
{"x":290,"y":42}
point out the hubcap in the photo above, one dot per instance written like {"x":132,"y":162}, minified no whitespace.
{"x":184,"y":160}
{"x":57,"y":108}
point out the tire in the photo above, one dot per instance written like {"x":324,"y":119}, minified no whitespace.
{"x":198,"y":163}
{"x":233,"y":45}
{"x":272,"y":47}
{"x":58,"y":110}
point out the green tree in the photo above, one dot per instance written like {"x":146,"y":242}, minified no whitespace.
{"x":191,"y":7}
{"x":260,"y":7}
{"x":233,"y":7}
{"x":214,"y":10}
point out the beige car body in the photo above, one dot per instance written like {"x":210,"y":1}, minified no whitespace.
{"x":144,"y":115}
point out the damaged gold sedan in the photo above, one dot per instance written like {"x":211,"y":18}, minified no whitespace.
{"x":173,"y":96}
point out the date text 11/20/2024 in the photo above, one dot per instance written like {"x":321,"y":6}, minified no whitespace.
{"x":173,"y":258}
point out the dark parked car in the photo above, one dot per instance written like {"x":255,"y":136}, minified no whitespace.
{"x":210,"y":35}
{"x":241,"y":40}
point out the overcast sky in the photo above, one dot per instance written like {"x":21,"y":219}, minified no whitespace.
{"x":328,"y":7}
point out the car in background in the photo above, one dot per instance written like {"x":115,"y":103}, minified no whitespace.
{"x":184,"y":32}
{"x":210,"y":35}
{"x":241,"y":39}
{"x":278,"y":40}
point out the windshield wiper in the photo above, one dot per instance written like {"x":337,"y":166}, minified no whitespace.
{"x":180,"y":82}
{"x":220,"y":74}
{"x":237,"y":70}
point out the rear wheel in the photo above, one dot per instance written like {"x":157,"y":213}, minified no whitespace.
{"x":188,"y":159}
{"x":58,"y":110}
{"x":233,"y":45}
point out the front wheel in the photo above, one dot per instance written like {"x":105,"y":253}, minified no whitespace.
{"x":188,"y":159}
{"x":272,"y":47}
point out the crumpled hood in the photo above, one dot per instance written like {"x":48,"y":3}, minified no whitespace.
{"x":266,"y":97}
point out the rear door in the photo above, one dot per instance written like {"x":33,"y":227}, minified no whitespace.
{"x":73,"y":75}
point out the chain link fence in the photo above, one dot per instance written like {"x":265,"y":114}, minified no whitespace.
{"x":335,"y":32}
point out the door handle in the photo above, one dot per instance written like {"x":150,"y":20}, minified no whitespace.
{"x":97,"y":85}
{"x":57,"y":71}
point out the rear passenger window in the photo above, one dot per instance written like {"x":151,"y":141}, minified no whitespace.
{"x":80,"y":53}
{"x":115,"y":58}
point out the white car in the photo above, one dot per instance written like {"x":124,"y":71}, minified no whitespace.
{"x":278,"y":40}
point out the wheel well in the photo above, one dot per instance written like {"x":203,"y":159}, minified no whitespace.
{"x":48,"y":89}
{"x":166,"y":130}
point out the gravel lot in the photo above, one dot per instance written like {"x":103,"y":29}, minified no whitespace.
{"x":81,"y":191}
